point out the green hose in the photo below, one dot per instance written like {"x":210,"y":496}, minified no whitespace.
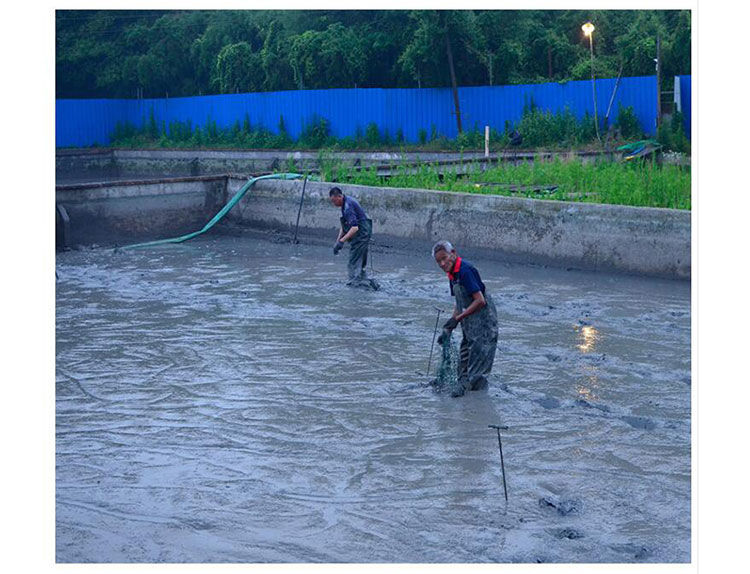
{"x":224,"y":210}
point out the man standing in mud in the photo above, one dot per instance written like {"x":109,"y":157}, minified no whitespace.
{"x":475,"y":311}
{"x":356,"y":229}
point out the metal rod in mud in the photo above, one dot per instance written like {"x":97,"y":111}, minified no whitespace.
{"x":437,"y":320}
{"x":502,"y":462}
{"x":299,"y":211}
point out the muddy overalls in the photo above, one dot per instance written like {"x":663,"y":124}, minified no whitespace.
{"x":479,"y":341}
{"x":359,"y":245}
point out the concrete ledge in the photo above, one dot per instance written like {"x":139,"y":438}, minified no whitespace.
{"x":122,"y":212}
{"x":123,"y":163}
{"x":648,"y":241}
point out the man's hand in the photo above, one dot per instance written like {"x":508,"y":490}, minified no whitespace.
{"x":338,"y":247}
{"x":450,"y":324}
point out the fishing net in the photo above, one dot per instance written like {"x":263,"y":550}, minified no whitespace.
{"x":447,"y":372}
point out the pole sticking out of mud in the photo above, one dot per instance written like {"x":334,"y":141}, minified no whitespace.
{"x":301,"y":199}
{"x":437,"y":320}
{"x":502,"y":462}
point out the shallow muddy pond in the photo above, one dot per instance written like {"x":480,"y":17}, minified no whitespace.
{"x":231,"y":400}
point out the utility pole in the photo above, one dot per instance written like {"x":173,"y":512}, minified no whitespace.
{"x":588,"y":30}
{"x":549,"y":62}
{"x":658,"y":80}
{"x":453,"y":80}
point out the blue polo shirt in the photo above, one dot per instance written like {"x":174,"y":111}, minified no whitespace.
{"x":352,"y":212}
{"x":468,"y":276}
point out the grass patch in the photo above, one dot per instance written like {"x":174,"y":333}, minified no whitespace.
{"x":642,"y":183}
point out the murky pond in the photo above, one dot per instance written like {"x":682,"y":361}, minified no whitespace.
{"x":231,"y":400}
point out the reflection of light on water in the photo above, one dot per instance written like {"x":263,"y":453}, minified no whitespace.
{"x":585,"y":393}
{"x":588,"y":336}
{"x":587,"y":389}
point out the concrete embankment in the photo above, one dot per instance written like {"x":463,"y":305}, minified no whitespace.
{"x":637,"y":240}
{"x":646,"y":241}
{"x":126,"y":211}
{"x":88,"y":165}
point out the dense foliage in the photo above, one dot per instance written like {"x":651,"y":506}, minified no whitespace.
{"x":157,"y":53}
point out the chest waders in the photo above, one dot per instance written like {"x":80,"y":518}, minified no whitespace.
{"x":359,"y":245}
{"x":479,"y":341}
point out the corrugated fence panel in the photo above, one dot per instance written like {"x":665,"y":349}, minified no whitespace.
{"x":80,"y":123}
{"x":685,"y":101}
{"x":641,"y":95}
{"x":414,"y":111}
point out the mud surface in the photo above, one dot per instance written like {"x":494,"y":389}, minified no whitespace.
{"x":231,"y":400}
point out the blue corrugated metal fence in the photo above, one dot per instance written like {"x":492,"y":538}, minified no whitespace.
{"x":82,"y":123}
{"x":685,"y":102}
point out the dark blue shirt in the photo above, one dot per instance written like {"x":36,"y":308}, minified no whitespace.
{"x":468,"y":277}
{"x":352,"y":212}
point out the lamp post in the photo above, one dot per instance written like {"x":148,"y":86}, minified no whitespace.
{"x":588,"y":30}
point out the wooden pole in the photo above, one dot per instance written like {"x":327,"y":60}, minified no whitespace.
{"x":658,"y":81}
{"x":549,"y":62}
{"x":453,"y":81}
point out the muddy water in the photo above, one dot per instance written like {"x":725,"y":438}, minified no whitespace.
{"x":230,"y":400}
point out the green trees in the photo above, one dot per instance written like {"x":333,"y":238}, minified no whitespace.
{"x":491,"y":42}
{"x":152,"y":53}
{"x":239,"y":69}
{"x":421,"y":57}
{"x":274,"y":58}
{"x":330,"y":58}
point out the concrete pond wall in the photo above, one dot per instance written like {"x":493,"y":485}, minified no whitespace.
{"x":126,"y":211}
{"x":77,"y":165}
{"x":645,"y":241}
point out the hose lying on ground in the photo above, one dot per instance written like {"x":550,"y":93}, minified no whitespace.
{"x":224,"y":210}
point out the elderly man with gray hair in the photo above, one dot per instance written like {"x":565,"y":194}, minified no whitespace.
{"x":475,"y":311}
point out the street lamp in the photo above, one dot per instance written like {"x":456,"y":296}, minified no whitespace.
{"x":588,"y":30}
